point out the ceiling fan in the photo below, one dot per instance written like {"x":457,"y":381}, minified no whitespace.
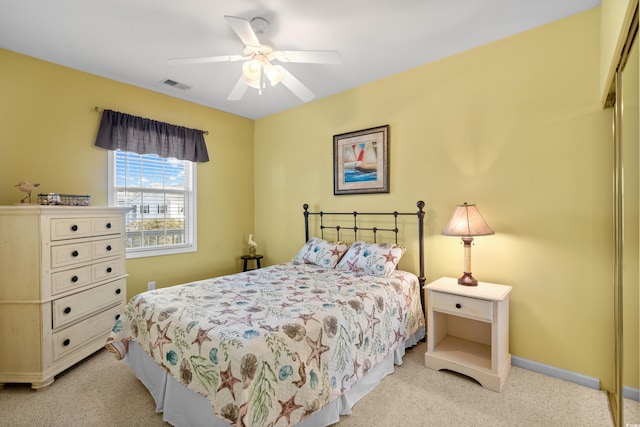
{"x":259,"y":55}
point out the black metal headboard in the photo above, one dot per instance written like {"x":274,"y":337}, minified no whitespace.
{"x":357,"y":216}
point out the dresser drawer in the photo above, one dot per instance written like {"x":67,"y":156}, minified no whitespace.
{"x":70,"y":279}
{"x":107,"y":247}
{"x":70,"y":228}
{"x":107,"y":225}
{"x":462,"y":306}
{"x":69,"y":309}
{"x":70,"y":254}
{"x":75,"y":336}
{"x":107,"y":269}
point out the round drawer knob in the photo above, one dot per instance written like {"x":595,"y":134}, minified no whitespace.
{"x":74,"y":279}
{"x":74,"y":227}
{"x":67,"y":310}
{"x":117,"y":316}
{"x":66,"y":342}
{"x":118,"y":291}
{"x":108,"y":225}
{"x":109,"y":269}
{"x":74,"y":253}
{"x":458,"y":305}
{"x":108,"y":247}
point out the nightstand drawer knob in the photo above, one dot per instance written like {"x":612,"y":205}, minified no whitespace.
{"x":109,"y":269}
{"x":108,"y":225}
{"x":108,"y":247}
{"x":67,"y":310}
{"x":74,"y":279}
{"x":74,"y":254}
{"x":458,"y":305}
{"x":74,"y":228}
{"x":66,"y":342}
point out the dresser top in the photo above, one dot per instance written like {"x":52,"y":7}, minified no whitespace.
{"x":484,"y":290}
{"x":59,"y":210}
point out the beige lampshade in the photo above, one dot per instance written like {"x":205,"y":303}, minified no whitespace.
{"x":467,"y":221}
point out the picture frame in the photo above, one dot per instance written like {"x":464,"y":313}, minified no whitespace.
{"x":361,"y":161}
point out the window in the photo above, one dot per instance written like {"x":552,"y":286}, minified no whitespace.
{"x":161,"y":196}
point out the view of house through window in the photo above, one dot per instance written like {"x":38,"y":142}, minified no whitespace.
{"x":160,"y":195}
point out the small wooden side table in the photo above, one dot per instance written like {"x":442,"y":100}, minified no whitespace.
{"x":247,"y":258}
{"x":468,"y":330}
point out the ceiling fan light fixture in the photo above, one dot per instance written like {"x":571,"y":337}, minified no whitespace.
{"x":254,"y":83}
{"x":274,"y":73}
{"x":252,"y":70}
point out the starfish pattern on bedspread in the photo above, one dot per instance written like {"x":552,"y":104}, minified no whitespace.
{"x":287,"y":408}
{"x":270,"y":346}
{"x":162,"y":337}
{"x":317,"y":348}
{"x":227,"y":380}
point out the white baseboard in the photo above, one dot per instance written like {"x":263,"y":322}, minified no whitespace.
{"x":631,"y":393}
{"x":583,"y":380}
{"x":552,"y":371}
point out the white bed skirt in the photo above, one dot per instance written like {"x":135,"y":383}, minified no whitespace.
{"x":182,"y":407}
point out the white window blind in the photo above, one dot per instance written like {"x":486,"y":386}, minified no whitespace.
{"x":160,"y":194}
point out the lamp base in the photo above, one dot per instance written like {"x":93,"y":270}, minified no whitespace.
{"x":467,"y":280}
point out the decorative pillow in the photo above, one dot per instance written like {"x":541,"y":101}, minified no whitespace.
{"x":321,"y":253}
{"x":374,"y":259}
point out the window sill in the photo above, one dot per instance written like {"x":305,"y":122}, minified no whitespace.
{"x":151,"y":252}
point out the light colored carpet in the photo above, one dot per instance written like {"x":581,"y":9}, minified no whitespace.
{"x":102,"y":391}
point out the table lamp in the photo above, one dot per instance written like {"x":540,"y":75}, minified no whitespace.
{"x":467,"y":222}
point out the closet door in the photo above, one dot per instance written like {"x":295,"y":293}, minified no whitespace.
{"x":629,"y":159}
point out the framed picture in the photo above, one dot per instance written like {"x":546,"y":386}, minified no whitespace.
{"x":361,"y":161}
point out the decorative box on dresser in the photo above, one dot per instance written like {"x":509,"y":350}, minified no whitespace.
{"x":468,"y":330}
{"x":62,"y":287}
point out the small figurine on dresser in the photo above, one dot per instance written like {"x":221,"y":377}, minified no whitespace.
{"x":252,"y":245}
{"x":26,"y":187}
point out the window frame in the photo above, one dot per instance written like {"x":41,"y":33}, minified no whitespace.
{"x":190,"y":231}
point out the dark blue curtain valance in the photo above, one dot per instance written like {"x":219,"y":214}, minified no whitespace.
{"x":120,"y":131}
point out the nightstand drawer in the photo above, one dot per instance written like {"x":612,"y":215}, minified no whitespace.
{"x":462,"y":306}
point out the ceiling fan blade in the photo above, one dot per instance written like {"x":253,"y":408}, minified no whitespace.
{"x":238,"y":90}
{"x":296,"y":86}
{"x":205,"y":59}
{"x":309,"y":56}
{"x":243,"y":29}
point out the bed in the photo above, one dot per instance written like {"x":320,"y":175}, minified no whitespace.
{"x":297,"y":343}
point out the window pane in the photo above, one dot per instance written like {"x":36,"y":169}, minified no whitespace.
{"x":157,"y":192}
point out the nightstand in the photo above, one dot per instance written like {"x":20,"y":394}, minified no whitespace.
{"x":246,"y":258}
{"x":468,"y":330}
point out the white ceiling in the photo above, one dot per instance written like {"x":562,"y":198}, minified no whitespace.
{"x":130,"y":41}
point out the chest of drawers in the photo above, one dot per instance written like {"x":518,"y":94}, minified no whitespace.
{"x":62,"y":286}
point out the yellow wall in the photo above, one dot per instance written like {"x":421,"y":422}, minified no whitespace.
{"x":515,"y":126}
{"x":47,"y":131}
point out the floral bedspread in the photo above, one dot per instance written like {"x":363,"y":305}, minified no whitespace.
{"x":273,"y":345}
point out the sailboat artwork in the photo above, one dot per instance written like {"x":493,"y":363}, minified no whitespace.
{"x":360,"y":162}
